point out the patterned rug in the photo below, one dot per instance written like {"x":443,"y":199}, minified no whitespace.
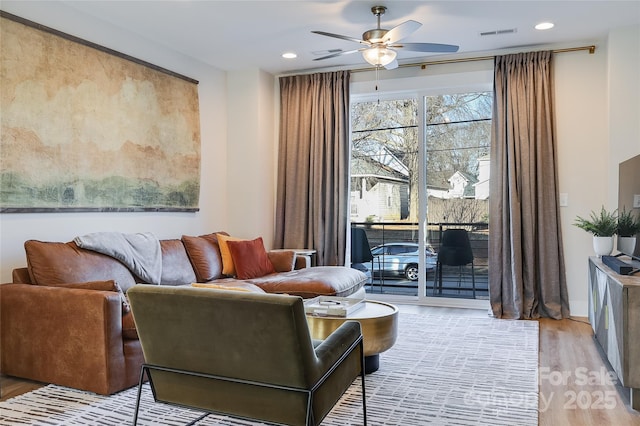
{"x":443,"y":370}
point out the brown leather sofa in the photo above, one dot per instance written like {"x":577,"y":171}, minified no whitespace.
{"x":63,"y":321}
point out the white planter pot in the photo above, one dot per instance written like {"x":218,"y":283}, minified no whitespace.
{"x":603,"y":246}
{"x":627,"y":245}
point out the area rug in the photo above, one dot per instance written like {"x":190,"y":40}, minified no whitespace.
{"x":443,"y":370}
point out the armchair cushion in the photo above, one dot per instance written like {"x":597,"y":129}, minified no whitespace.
{"x":250,"y":259}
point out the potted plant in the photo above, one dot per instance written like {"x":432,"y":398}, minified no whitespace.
{"x":628,"y":227}
{"x":603,"y":226}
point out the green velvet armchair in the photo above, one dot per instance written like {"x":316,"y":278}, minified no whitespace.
{"x":246,"y":355}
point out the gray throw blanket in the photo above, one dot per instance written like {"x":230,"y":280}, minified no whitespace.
{"x":141,"y":252}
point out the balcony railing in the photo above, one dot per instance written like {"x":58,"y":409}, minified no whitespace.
{"x":456,"y":281}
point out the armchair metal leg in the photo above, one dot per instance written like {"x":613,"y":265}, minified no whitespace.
{"x":362,"y":374}
{"x":135,"y":414}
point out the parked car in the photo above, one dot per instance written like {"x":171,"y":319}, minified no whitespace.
{"x":400,"y":260}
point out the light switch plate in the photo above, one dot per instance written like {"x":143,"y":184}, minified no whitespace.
{"x":564,"y":199}
{"x":636,"y":201}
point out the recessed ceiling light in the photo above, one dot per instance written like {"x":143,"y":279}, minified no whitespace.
{"x":544,"y":26}
{"x":289,"y":55}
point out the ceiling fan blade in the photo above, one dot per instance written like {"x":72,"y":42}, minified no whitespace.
{"x":348,"y":52}
{"x":401,"y":31}
{"x":340,"y":37}
{"x":427,"y":47}
{"x":392,"y":65}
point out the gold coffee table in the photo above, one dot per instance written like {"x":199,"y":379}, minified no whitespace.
{"x":379,"y":322}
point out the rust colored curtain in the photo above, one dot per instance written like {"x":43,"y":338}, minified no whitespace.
{"x":313,"y":165}
{"x":527,"y":272}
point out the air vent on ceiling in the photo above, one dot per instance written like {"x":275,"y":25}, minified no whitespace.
{"x":499,"y":32}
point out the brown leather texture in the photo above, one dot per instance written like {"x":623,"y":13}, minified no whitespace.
{"x":176,"y":268}
{"x":53,"y":263}
{"x":282,"y":260}
{"x":204,"y":254}
{"x":312,"y":282}
{"x":67,"y":336}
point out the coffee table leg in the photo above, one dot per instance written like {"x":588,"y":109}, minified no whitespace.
{"x":371,"y":363}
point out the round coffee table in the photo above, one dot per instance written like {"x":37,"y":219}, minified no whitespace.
{"x":379,"y":322}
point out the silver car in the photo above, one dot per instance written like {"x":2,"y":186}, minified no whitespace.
{"x":400,"y":260}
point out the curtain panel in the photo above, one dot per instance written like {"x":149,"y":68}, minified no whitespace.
{"x":313,"y":165}
{"x":527,"y":273}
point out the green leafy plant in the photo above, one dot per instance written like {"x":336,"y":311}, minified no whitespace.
{"x":628,"y":224}
{"x":604,"y":224}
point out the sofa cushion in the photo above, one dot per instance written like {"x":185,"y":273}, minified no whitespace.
{"x":205,"y":257}
{"x":54,"y":263}
{"x":315,"y":281}
{"x":282,"y":260}
{"x":250,"y":259}
{"x":228,"y":267}
{"x":176,"y":267}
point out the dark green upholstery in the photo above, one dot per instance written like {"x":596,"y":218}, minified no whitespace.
{"x":243,"y":354}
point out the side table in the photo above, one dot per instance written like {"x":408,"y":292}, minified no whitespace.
{"x":308,"y":254}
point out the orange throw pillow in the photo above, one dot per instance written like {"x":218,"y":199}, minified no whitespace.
{"x":228,"y":267}
{"x":250,"y":259}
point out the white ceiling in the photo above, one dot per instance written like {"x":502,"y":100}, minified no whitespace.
{"x":235,"y":35}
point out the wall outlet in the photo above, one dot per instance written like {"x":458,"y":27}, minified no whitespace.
{"x":636,"y":201}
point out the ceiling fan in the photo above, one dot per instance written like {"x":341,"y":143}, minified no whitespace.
{"x":381,"y":44}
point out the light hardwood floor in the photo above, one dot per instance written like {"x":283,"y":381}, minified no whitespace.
{"x":575,"y":388}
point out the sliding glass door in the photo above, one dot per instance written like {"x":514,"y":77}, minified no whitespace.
{"x":419,"y":166}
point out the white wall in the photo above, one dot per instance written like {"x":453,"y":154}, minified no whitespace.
{"x":583,"y":151}
{"x":598,"y":111}
{"x":213,"y":214}
{"x":251,"y":159}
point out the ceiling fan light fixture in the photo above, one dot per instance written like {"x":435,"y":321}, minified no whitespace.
{"x":379,"y":56}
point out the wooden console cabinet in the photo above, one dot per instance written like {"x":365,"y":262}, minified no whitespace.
{"x":614,"y":314}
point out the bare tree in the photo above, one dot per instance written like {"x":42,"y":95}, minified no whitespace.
{"x":457,"y":135}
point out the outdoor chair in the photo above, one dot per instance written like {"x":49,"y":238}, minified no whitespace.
{"x":245,"y":355}
{"x":455,"y":250}
{"x":360,"y":249}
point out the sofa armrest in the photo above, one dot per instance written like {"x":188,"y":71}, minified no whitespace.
{"x":302,"y":262}
{"x":71,"y":337}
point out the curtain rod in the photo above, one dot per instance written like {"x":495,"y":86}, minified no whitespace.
{"x":424,"y":65}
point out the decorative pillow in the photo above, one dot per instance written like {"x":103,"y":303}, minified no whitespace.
{"x":205,"y":257}
{"x":228,"y":266}
{"x":282,"y":260}
{"x":108,"y":285}
{"x":250,"y":259}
